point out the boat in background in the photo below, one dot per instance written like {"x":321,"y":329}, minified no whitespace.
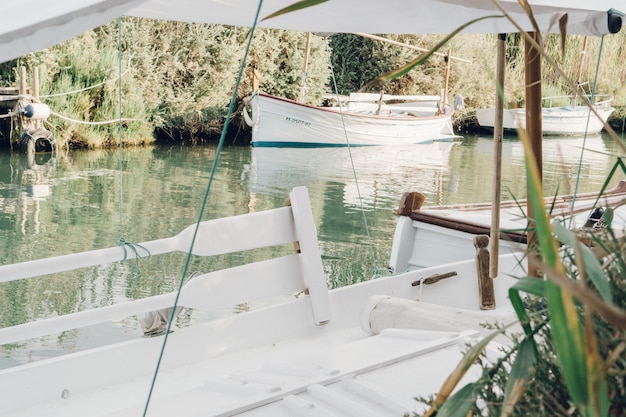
{"x":364,"y":120}
{"x":557,"y":120}
{"x":435,"y":235}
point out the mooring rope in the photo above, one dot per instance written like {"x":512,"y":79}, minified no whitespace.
{"x":182,"y":280}
{"x":104,"y":122}
{"x":589,"y":115}
{"x":376,"y":270}
{"x":67,"y":93}
{"x":122,"y":242}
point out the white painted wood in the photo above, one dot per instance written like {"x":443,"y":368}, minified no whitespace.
{"x":282,"y":122}
{"x":565,"y":120}
{"x":311,"y":260}
{"x":213,"y":237}
{"x":212,"y":291}
{"x":219,"y":289}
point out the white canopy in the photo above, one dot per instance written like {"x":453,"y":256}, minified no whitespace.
{"x":30,"y":25}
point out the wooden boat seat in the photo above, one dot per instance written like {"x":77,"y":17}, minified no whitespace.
{"x":296,"y":273}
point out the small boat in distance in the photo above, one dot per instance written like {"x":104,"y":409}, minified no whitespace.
{"x":557,"y":120}
{"x":365,"y":119}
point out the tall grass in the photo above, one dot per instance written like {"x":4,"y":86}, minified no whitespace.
{"x":178,"y":77}
{"x":569,"y":359}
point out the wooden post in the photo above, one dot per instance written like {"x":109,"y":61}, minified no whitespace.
{"x":447,"y":80}
{"x":256,"y":80}
{"x":580,"y":70}
{"x":35,"y":91}
{"x":486,"y":294}
{"x":410,"y":201}
{"x":22,"y":93}
{"x":497,"y":159}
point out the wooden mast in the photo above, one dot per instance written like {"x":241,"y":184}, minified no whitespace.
{"x":304,"y":67}
{"x":580,"y":69}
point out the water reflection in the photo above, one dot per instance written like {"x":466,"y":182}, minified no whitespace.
{"x":82,"y":201}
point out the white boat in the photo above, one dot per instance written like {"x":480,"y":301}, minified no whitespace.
{"x":367,"y":349}
{"x":558,"y":120}
{"x":298,"y":347}
{"x":362,"y":121}
{"x":427,"y":236}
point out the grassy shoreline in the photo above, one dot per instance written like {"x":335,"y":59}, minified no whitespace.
{"x":177,"y":79}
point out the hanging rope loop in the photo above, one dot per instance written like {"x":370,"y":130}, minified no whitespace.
{"x":134,"y":249}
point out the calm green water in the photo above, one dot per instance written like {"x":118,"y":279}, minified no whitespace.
{"x":83,"y":200}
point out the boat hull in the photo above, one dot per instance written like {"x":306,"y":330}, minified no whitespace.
{"x":557,"y":121}
{"x":281,"y":122}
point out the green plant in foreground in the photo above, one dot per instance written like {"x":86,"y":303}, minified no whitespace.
{"x":570,"y":359}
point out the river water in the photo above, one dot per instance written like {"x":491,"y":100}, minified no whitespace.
{"x":85,"y":200}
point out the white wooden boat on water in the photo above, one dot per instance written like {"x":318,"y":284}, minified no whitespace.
{"x":557,"y":120}
{"x":362,"y":121}
{"x":427,"y":236}
{"x":366,"y":349}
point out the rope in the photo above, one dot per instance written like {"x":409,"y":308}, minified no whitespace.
{"x":133,"y":247}
{"x":593,"y":93}
{"x":105,"y":122}
{"x":122,"y":242}
{"x":86,"y":88}
{"x":202,"y":208}
{"x":370,"y":244}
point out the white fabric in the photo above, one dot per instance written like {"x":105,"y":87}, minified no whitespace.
{"x":385,"y":17}
{"x":30,"y":25}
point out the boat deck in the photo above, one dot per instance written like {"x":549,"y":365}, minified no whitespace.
{"x":347,"y":374}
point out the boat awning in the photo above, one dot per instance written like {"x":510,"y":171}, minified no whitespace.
{"x":30,"y":25}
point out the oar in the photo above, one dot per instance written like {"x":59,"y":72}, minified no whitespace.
{"x":212,"y":239}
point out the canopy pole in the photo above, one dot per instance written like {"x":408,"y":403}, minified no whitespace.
{"x":533,"y":122}
{"x":494,"y":243}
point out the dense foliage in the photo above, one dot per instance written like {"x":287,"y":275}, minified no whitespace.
{"x":178,"y":78}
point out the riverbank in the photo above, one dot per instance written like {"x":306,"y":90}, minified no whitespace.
{"x":168,"y":97}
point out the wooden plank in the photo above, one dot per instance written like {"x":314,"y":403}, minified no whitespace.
{"x":312,"y":267}
{"x":213,"y":237}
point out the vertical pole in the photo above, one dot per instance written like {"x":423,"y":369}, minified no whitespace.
{"x":580,"y":69}
{"x":494,"y":245}
{"x":304,"y":67}
{"x":448,"y":59}
{"x":22,"y":94}
{"x":35,"y":91}
{"x":533,"y":121}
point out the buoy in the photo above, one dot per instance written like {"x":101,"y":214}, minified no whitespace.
{"x":37,"y":111}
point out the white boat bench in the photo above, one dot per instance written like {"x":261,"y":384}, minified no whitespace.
{"x":225,"y":288}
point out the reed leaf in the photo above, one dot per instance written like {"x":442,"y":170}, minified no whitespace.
{"x":460,"y":403}
{"x":455,"y":377}
{"x":302,"y":4}
{"x":592,"y":267}
{"x":529,"y":285}
{"x":521,"y":372}
{"x":567,"y":331}
{"x":529,"y":12}
{"x":611,"y":314}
